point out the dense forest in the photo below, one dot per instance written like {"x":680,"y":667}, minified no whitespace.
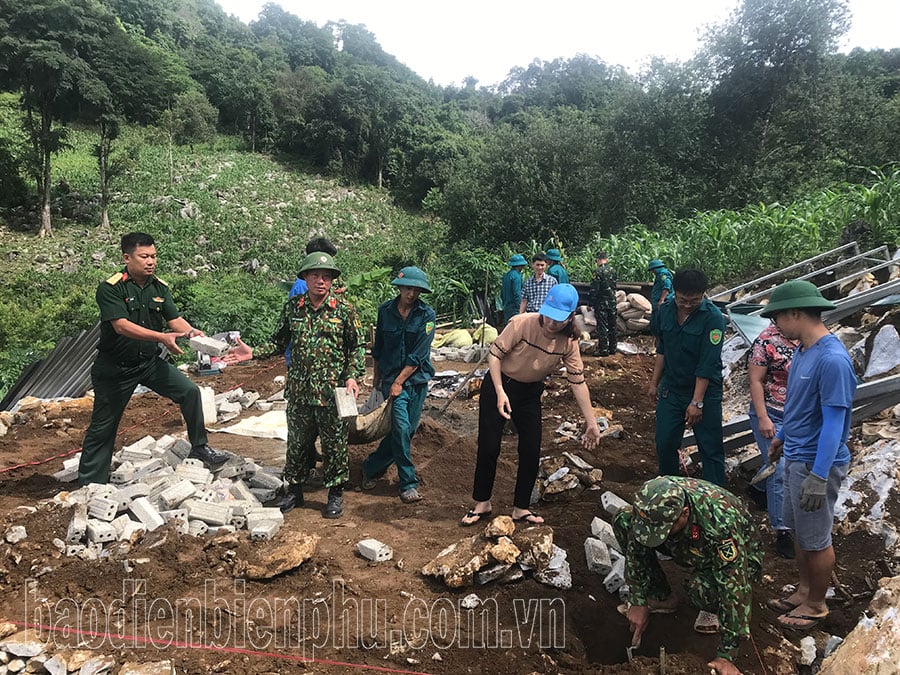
{"x":575,"y":149}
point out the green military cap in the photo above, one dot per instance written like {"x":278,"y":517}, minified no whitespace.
{"x":796,"y":294}
{"x":655,"y":264}
{"x":657,"y":506}
{"x":554,"y":255}
{"x":517,"y":260}
{"x":412,"y":276}
{"x":319,"y":261}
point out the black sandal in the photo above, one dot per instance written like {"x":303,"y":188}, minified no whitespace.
{"x":530,"y":514}
{"x":477,"y":516}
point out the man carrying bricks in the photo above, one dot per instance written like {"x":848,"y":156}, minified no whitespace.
{"x":703,"y":527}
{"x":327,"y":351}
{"x":135,"y":308}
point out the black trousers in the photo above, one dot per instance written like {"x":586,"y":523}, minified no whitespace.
{"x":525,"y":400}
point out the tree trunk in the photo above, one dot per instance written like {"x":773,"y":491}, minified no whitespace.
{"x":252,"y":133}
{"x":380,"y":172}
{"x":171,"y":162}
{"x":103,"y":166}
{"x":46,"y":228}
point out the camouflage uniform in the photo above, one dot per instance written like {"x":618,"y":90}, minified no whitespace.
{"x":327,"y":349}
{"x":719,"y":542}
{"x":603,"y":300}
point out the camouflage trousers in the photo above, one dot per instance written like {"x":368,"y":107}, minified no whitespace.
{"x":606,"y":328}
{"x":304,"y":423}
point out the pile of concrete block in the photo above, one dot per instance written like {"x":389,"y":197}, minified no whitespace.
{"x":632,"y":312}
{"x":603,"y":552}
{"x":153,"y":481}
{"x":468,"y":354}
{"x":228,"y":405}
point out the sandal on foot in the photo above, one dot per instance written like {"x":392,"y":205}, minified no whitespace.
{"x":707,"y":623}
{"x":477,"y":516}
{"x":781,"y":605}
{"x":625,"y":606}
{"x":809,"y":622}
{"x":529,"y":517}
{"x":369,"y":483}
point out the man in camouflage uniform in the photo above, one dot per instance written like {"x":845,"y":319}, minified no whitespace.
{"x":701,"y":526}
{"x":327,"y":351}
{"x":603,"y":300}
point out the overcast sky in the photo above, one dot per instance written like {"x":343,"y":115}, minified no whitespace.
{"x":449,"y":41}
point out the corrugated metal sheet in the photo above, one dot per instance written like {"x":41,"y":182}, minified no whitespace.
{"x":66,"y":371}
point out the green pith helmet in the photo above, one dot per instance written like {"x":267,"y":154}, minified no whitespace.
{"x":655,"y":264}
{"x":412,"y":276}
{"x":796,"y":294}
{"x":554,"y":255}
{"x":319,"y":261}
{"x":657,"y":506}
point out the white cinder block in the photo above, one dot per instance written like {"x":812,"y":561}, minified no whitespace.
{"x":100,"y":532}
{"x":198,"y":475}
{"x":124,"y":473}
{"x":616,"y":577}
{"x":197,"y":528}
{"x":604,"y":531}
{"x":103,"y":508}
{"x":264,"y":530}
{"x":374,"y":550}
{"x":129,"y":493}
{"x":146,"y":513}
{"x":78,"y":525}
{"x":175,"y":494}
{"x":612,"y":503}
{"x":597,"y":555}
{"x":208,"y":345}
{"x":265,"y":480}
{"x":240,"y":490}
{"x":208,"y":400}
{"x":211,"y":514}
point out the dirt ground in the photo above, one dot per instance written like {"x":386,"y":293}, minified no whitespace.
{"x":351,"y":615}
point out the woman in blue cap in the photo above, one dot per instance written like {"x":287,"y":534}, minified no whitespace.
{"x":530,"y":347}
{"x":402,"y":354}
{"x":511,"y":290}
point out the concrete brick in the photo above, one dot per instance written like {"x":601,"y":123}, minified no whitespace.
{"x":153,"y":467}
{"x":99,"y":531}
{"x":238,"y":522}
{"x":265,"y":480}
{"x":211,"y":514}
{"x":66,"y":475}
{"x":231,"y":469}
{"x":99,"y":490}
{"x":131,"y":529}
{"x":119,"y":524}
{"x":241,"y":507}
{"x":129,"y":493}
{"x":72,"y":462}
{"x":240,"y":490}
{"x":616,"y":577}
{"x":123,"y":474}
{"x":159,"y":484}
{"x":197,"y":528}
{"x":279,"y":405}
{"x":164,"y":443}
{"x":103,"y":508}
{"x":181,"y":448}
{"x":259,"y":515}
{"x":146,"y":513}
{"x":74,"y":549}
{"x":263,"y":495}
{"x":597,"y":556}
{"x":78,"y":525}
{"x":374,"y":550}
{"x":248,"y":399}
{"x":221,"y":529}
{"x":170,"y":458}
{"x":145,"y":443}
{"x":174,"y":514}
{"x":604,"y":531}
{"x":612,"y":503}
{"x":177,"y":493}
{"x":207,"y":345}
{"x":198,"y":475}
{"x":264,"y":530}
{"x":264,"y":406}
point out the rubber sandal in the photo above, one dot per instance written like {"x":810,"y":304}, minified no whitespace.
{"x":781,"y":605}
{"x":625,"y":606}
{"x":369,"y":483}
{"x":524,"y":518}
{"x":477,"y":516}
{"x":707,"y":623}
{"x":811,"y":621}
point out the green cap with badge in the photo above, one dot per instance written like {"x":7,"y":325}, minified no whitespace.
{"x":657,"y":506}
{"x":319,"y":261}
{"x":796,"y":294}
{"x":412,"y":276}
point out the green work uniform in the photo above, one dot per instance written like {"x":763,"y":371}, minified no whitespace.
{"x":558,"y":272}
{"x":400,"y":343}
{"x":603,"y":300}
{"x":511,"y":293}
{"x":690,"y":350}
{"x":719,"y":543}
{"x":122,"y":363}
{"x":662,"y":282}
{"x":326,"y":351}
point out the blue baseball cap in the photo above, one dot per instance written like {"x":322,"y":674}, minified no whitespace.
{"x":517,"y":260}
{"x":560,"y":302}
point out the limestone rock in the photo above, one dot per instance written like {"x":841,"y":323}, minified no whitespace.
{"x":152,"y":668}
{"x":99,"y":665}
{"x":501,"y":526}
{"x":504,"y":551}
{"x":458,"y":563}
{"x":287,"y":551}
{"x":536,"y":544}
{"x":885,"y":356}
{"x":25,"y":643}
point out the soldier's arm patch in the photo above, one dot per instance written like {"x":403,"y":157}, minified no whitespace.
{"x":429,"y":327}
{"x":115,"y":278}
{"x":715,"y":336}
{"x":727,"y":550}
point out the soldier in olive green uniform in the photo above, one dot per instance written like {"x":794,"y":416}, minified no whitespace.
{"x":703,"y":527}
{"x":327,"y":351}
{"x":135,"y":308}
{"x":603,"y":300}
{"x":687,"y":376}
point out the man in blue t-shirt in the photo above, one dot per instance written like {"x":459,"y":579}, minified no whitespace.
{"x":813,"y":438}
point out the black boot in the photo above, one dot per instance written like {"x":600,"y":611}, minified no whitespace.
{"x":335,"y":506}
{"x":784,"y":544}
{"x":213,"y":459}
{"x":293,"y":498}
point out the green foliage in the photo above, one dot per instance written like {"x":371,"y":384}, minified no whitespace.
{"x":194,"y":119}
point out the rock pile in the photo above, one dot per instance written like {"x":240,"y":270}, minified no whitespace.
{"x":633,"y":312}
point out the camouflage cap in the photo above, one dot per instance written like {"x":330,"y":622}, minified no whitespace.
{"x":657,"y":506}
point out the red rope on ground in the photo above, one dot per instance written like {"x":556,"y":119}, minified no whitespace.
{"x":230,"y":650}
{"x":67,"y":453}
{"x":758,"y":655}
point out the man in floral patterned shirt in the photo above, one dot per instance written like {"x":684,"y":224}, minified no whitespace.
{"x":327,"y":352}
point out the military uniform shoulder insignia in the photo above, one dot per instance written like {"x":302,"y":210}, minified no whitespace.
{"x":160,"y":281}
{"x":727,"y":550}
{"x":115,"y":278}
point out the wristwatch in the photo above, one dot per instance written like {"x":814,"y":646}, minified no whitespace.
{"x":699,"y":404}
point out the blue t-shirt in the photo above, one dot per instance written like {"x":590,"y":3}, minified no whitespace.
{"x":820,"y":376}
{"x":299,"y":288}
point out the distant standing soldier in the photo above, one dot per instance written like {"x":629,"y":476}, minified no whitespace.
{"x":662,"y":285}
{"x":327,"y":352}
{"x":556,"y":270}
{"x":135,"y":308}
{"x":511,"y":290}
{"x":705,"y":528}
{"x":603,"y":300}
{"x":402,"y":354}
{"x":536,"y":287}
